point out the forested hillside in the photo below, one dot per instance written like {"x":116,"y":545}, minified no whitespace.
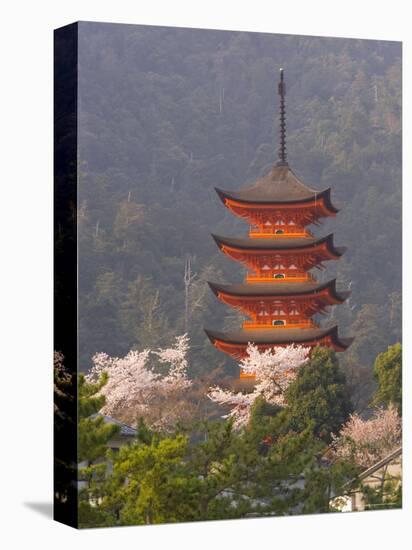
{"x":168,"y":114}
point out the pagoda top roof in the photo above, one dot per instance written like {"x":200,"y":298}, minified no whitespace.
{"x":278,"y":243}
{"x":280,"y":185}
{"x":278,"y":336}
{"x":277,"y":288}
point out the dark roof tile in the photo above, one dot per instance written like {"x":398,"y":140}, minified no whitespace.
{"x":278,"y":336}
{"x":280,"y":185}
{"x":279,"y":288}
{"x":281,"y":243}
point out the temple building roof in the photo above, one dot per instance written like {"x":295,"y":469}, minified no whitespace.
{"x":278,"y":243}
{"x":281,"y":185}
{"x":276,"y":288}
{"x":279,"y":336}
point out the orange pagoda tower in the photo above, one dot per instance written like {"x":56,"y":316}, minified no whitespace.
{"x":280,"y":294}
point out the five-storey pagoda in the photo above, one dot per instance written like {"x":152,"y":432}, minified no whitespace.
{"x":280,"y":295}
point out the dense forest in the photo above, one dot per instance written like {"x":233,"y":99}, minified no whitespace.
{"x":168,"y":114}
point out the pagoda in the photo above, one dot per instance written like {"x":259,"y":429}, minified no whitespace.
{"x":280,"y":295}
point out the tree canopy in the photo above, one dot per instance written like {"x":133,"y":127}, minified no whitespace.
{"x":319,"y":397}
{"x":388,"y":373}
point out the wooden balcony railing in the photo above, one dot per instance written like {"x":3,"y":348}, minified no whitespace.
{"x":253,"y":325}
{"x":273,"y":232}
{"x":247,"y":375}
{"x":294,"y":277}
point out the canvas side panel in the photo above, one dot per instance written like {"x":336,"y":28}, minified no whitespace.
{"x":65,"y":273}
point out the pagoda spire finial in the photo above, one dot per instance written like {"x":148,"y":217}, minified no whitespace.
{"x":282,"y":148}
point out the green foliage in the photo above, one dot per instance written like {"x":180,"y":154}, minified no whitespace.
{"x":92,"y":516}
{"x":388,"y":373}
{"x":324,"y":482}
{"x":168,"y":480}
{"x":93,"y":432}
{"x":89,"y":402}
{"x":215,"y":474}
{"x":386,"y":495}
{"x":261,"y":412}
{"x":144,"y":434}
{"x":212,"y":462}
{"x":318,"y":398}
{"x":149,"y":483}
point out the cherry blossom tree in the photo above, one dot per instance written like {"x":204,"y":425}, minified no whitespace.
{"x":137,"y":388}
{"x":240,"y":404}
{"x":274,"y":370}
{"x":176,"y":358}
{"x":368,"y":441}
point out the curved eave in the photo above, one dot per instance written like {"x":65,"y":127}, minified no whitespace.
{"x":235,"y":196}
{"x":328,"y":201}
{"x":278,"y":290}
{"x":251,"y":245}
{"x":278,"y":337}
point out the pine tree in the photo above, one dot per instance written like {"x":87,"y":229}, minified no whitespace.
{"x":318,"y":397}
{"x":150,"y":483}
{"x":93,"y":436}
{"x":93,"y":432}
{"x":388,"y":373}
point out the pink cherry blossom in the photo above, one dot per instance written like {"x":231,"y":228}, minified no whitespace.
{"x":136,"y":389}
{"x":368,"y":441}
{"x":240,"y":404}
{"x":274,"y":370}
{"x":176,"y":357}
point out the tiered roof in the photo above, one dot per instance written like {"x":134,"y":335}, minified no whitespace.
{"x":282,"y":336}
{"x":278,"y":290}
{"x":279,"y":187}
{"x":284,"y":243}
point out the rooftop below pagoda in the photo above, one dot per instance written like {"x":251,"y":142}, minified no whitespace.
{"x":280,"y":186}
